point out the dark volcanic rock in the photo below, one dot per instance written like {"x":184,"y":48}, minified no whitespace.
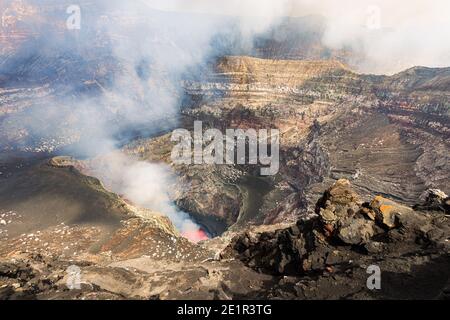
{"x":435,"y":200}
{"x":348,"y":235}
{"x":324,"y":257}
{"x":278,"y":252}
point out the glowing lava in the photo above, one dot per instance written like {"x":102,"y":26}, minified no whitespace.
{"x":196,"y":235}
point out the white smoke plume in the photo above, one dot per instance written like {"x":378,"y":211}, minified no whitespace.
{"x":392,"y":35}
{"x":147,"y":185}
{"x":163,"y":48}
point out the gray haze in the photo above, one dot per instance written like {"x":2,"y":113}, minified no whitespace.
{"x":393,"y":35}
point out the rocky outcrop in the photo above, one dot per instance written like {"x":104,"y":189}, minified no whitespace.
{"x":386,"y":134}
{"x":323,"y":257}
{"x":435,"y":199}
{"x":345,"y":232}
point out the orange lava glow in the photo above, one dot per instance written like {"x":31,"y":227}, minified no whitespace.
{"x":196,"y":235}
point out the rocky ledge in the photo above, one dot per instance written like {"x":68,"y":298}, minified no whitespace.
{"x":410,"y":246}
{"x":327,"y":256}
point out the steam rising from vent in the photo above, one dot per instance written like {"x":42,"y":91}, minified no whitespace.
{"x":155,"y":54}
{"x":121,"y":76}
{"x":147,"y":185}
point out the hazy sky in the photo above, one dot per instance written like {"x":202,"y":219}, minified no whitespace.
{"x":394,"y":34}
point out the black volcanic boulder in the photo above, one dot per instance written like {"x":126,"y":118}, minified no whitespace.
{"x":339,"y":203}
{"x":340,"y":215}
{"x":281,"y":251}
{"x":388,"y":212}
{"x":436,"y":200}
{"x":356,"y":231}
{"x":344,"y":234}
{"x":306,"y":245}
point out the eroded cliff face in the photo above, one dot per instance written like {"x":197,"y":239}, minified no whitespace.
{"x":389,"y":135}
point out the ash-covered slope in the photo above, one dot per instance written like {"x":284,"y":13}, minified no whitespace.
{"x":325,"y":257}
{"x":49,"y":207}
